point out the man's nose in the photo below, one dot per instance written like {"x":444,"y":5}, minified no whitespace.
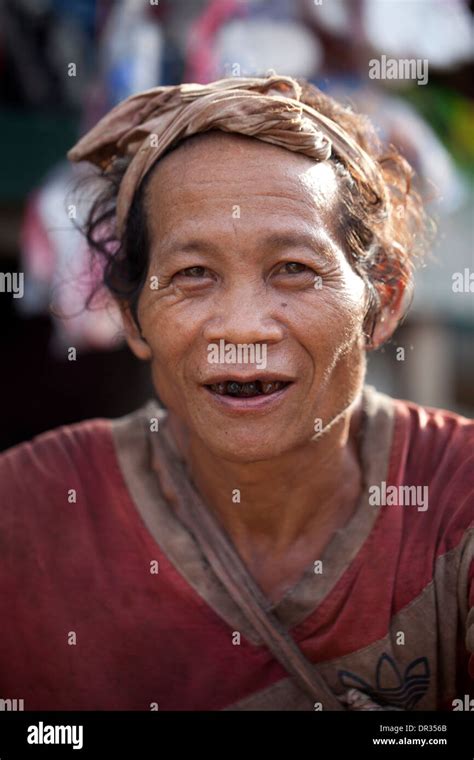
{"x":244,"y":315}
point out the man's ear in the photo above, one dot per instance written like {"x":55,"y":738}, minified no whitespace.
{"x":391,"y":314}
{"x":133,"y":335}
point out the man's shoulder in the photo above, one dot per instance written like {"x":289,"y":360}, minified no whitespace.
{"x":80,"y":455}
{"x":425,"y":436}
{"x":438,"y":444}
{"x":443,"y":423}
{"x":430,"y":476}
{"x":59,"y":448}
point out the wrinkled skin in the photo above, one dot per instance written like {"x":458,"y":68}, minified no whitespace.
{"x":239,"y":231}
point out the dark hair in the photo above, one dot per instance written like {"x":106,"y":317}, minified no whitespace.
{"x":384,"y":237}
{"x":124,"y":259}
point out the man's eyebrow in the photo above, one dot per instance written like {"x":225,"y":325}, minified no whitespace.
{"x":317,"y":242}
{"x":195,"y":245}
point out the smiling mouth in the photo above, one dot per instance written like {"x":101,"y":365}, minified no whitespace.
{"x":249,"y":389}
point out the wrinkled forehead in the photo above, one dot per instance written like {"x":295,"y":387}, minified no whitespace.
{"x":230,"y":165}
{"x":240,"y":191}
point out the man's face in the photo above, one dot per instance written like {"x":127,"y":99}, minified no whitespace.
{"x":247,"y":246}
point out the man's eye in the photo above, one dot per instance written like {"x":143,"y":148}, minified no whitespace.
{"x":192,"y":272}
{"x":294,"y":267}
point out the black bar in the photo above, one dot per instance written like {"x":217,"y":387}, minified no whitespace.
{"x":138,"y":735}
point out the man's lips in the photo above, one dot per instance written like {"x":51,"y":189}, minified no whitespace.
{"x":246,"y":392}
{"x":247,"y":389}
{"x":247,"y":386}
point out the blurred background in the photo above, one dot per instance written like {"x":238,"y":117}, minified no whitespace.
{"x":64,"y":63}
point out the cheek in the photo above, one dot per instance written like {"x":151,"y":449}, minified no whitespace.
{"x":173,"y":333}
{"x":332,"y":319}
{"x":349,"y":302}
{"x":161,"y":336}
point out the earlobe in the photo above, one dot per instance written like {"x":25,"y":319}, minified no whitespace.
{"x":384,"y":328}
{"x":134,"y":337}
{"x":390,"y":316}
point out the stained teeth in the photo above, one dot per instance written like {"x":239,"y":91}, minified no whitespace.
{"x":249,"y":389}
{"x":242,"y":389}
{"x":252,"y":388}
{"x":233,"y":388}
